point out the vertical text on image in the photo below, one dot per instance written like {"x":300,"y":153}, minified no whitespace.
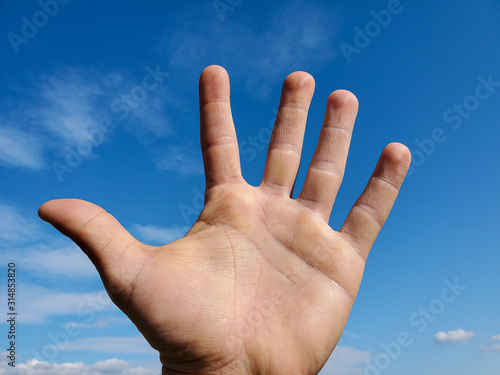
{"x":11,"y":313}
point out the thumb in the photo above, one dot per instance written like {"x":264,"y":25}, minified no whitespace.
{"x":116,"y":254}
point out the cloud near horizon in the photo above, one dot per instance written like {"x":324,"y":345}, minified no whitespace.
{"x":111,"y":366}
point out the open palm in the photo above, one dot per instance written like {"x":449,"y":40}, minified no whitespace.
{"x":260,"y":284}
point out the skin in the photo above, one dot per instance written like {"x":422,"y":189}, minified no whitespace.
{"x":261,"y":284}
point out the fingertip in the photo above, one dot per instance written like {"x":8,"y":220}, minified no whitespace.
{"x":343,"y":100}
{"x":399,"y":155}
{"x":299,"y":80}
{"x":214,"y":84}
{"x":68,"y":213}
{"x":42,"y":210}
{"x":343,"y":97}
{"x":47,"y":210}
{"x":213,"y":73}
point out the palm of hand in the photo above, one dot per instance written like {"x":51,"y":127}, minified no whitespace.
{"x":250,"y":275}
{"x":261,"y":283}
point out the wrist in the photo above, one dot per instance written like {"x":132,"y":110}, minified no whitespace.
{"x":165,"y":371}
{"x":227,"y":369}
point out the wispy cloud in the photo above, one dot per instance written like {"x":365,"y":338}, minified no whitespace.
{"x":74,"y":100}
{"x":101,"y":323}
{"x":55,"y":261}
{"x":491,"y":347}
{"x":150,"y":118}
{"x":39,"y":304}
{"x":42,"y":254}
{"x":458,"y":335}
{"x":494,"y":347}
{"x":55,"y":112}
{"x":20,"y":149}
{"x":295,"y":36}
{"x":182,"y":160}
{"x":16,"y":225}
{"x":346,"y":361}
{"x":111,"y":366}
{"x":350,"y":334}
{"x":63,"y":108}
{"x":154,"y":235}
{"x":67,"y":105}
{"x":115,"y":345}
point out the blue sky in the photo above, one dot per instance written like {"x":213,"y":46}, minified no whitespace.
{"x":426,"y":74}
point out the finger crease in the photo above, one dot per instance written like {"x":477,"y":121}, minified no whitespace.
{"x":371,"y":211}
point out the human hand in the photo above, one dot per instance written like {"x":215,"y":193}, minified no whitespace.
{"x":260,"y":284}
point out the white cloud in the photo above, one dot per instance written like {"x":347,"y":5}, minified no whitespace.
{"x":20,"y":149}
{"x":346,"y":361}
{"x":121,"y":345}
{"x":182,"y":160}
{"x":38,"y":304}
{"x":295,"y":36}
{"x":155,"y":235}
{"x":109,"y":367}
{"x":453,"y":336}
{"x":496,"y":338}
